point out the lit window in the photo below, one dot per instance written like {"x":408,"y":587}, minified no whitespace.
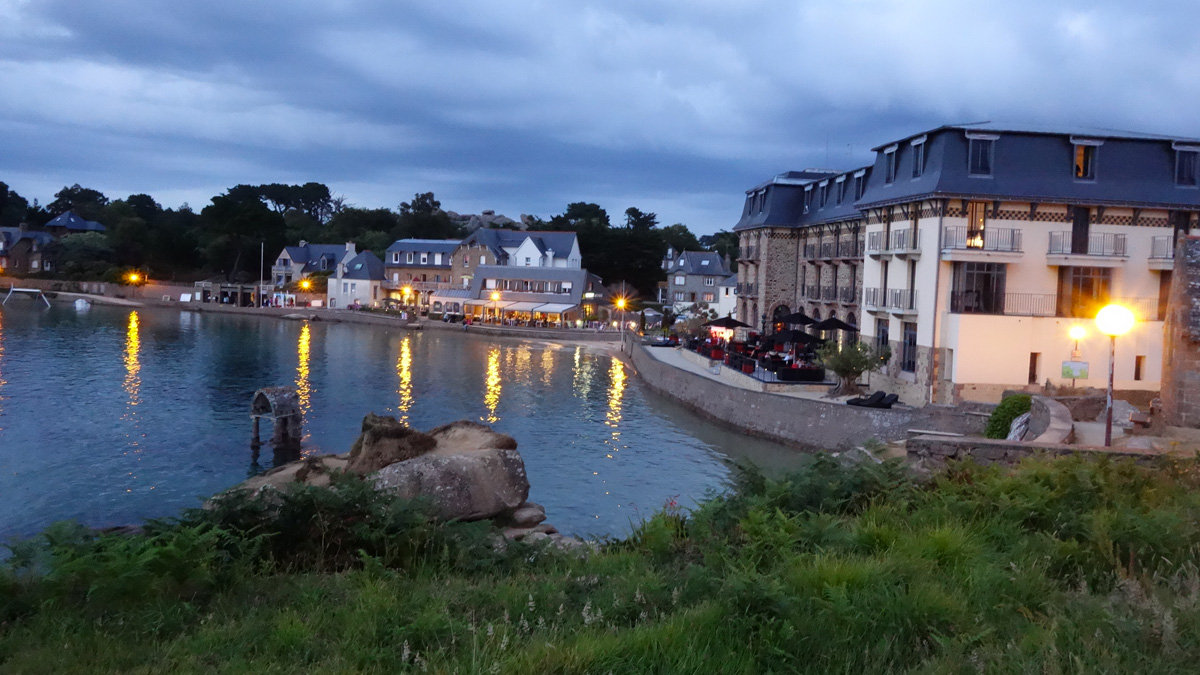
{"x":1085,"y":162}
{"x":709,"y":297}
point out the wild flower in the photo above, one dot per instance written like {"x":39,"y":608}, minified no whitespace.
{"x":587,"y":613}
{"x":404,"y":652}
{"x":638,"y":597}
{"x":523,"y":625}
{"x":531,"y":606}
{"x":490,"y":631}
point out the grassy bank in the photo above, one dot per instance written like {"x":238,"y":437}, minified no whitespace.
{"x":1065,"y":567}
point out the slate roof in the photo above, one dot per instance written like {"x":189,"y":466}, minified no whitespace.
{"x":9,"y":236}
{"x":699,"y":262}
{"x":365,"y":265}
{"x":497,"y":240}
{"x":576,"y":275}
{"x":74,"y":223}
{"x":311,"y":254}
{"x":446,"y":246}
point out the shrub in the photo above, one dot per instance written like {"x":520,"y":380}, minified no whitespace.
{"x":1002,"y":417}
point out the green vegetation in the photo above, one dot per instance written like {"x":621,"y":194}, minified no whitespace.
{"x":849,"y":362}
{"x":1002,"y":417}
{"x":1057,"y":567}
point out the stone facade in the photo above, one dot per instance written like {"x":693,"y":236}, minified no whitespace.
{"x":465,"y":260}
{"x":1181,"y":339}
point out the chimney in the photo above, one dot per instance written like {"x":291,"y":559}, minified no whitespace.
{"x":303,"y":243}
{"x":351,"y":248}
{"x":23,"y":227}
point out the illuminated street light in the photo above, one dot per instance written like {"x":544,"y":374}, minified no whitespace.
{"x":305,"y":284}
{"x":1112,"y":320}
{"x":495,"y":305}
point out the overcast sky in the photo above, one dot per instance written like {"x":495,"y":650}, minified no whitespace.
{"x":675,"y":107}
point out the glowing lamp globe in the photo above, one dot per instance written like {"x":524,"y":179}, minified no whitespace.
{"x":620,"y":303}
{"x":495,"y":296}
{"x":1077,"y":332}
{"x":1114,"y":320}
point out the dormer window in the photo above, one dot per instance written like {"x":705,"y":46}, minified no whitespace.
{"x":918,"y":158}
{"x":762,"y":201}
{"x":408,"y":257}
{"x":860,"y":181}
{"x":808,"y":197}
{"x":395,"y":258}
{"x":1186,"y":160}
{"x":1084,"y":158}
{"x":824,"y":193}
{"x":980,"y":150}
{"x":889,"y":155}
{"x":324,"y":264}
{"x":841,"y":189}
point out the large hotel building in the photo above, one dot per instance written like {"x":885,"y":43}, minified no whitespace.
{"x":972,"y":250}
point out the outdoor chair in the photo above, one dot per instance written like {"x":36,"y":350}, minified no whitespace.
{"x":887,"y":402}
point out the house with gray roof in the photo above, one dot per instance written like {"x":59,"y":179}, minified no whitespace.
{"x":358,"y":282}
{"x":969,"y":251}
{"x":68,"y":222}
{"x":299,"y":262}
{"x":23,"y":251}
{"x":698,"y":278}
{"x":416,"y":268}
{"x":527,"y":295}
{"x":514,"y":249}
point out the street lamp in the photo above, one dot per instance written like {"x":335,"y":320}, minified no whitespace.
{"x":495,"y":305}
{"x":407,"y":291}
{"x":621,"y":306}
{"x":305,"y":285}
{"x":1112,"y":320}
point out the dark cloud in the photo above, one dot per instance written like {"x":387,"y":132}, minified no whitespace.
{"x":673,"y":106}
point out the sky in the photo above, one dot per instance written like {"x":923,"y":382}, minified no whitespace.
{"x":672,"y":106}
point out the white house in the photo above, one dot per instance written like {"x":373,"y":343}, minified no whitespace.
{"x":358,"y":282}
{"x":297,"y":262}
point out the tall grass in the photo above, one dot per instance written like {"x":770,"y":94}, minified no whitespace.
{"x":1067,"y":566}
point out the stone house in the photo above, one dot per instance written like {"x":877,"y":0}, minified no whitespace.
{"x":416,"y":268}
{"x":514,"y":249}
{"x":971,"y":251}
{"x":695,"y":277}
{"x":23,"y":251}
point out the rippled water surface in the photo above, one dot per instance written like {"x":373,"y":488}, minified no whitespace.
{"x":111,"y":416}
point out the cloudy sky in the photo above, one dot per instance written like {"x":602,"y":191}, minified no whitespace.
{"x":671,"y":106}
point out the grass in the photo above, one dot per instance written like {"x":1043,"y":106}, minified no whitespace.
{"x":1068,"y":566}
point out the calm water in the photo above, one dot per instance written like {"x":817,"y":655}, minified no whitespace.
{"x":111,"y":416}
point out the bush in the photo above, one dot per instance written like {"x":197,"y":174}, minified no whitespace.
{"x":1002,"y":417}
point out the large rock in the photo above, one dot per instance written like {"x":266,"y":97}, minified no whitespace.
{"x":384,"y":441}
{"x":308,"y":471}
{"x":464,"y":485}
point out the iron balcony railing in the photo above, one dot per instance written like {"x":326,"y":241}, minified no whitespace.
{"x":902,"y":299}
{"x":849,"y":294}
{"x":1010,"y":304}
{"x":747,"y":252}
{"x":810,"y":251}
{"x":827,"y":249}
{"x":813,"y":293}
{"x":873,"y":297}
{"x":746,"y":288}
{"x":1111,"y":245}
{"x":905,"y":239}
{"x":1161,"y":248}
{"x":1000,"y":239}
{"x":849,"y":247}
{"x":874,"y":242}
{"x":829,"y":293}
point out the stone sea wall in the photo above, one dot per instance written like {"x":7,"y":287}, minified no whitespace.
{"x":932,"y":452}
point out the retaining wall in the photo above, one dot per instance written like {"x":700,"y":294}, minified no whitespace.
{"x":932,"y":452}
{"x":807,"y":423}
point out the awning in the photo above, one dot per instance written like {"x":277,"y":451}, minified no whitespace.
{"x":555,"y":308}
{"x":522,"y":306}
{"x":489,"y":304}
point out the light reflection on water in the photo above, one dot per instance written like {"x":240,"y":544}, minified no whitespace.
{"x":165,"y":423}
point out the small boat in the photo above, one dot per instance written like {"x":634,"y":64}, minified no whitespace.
{"x":82,"y":305}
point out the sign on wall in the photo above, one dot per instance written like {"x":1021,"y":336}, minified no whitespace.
{"x":1075,"y":370}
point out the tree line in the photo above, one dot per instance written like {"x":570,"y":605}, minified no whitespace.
{"x":224,"y":238}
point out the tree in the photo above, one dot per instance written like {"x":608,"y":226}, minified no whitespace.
{"x":85,"y":202}
{"x":723,"y":242}
{"x":849,"y":363}
{"x":580,"y":216}
{"x":635,"y":219}
{"x":423,"y":218}
{"x":86,"y":255}
{"x":13,"y":207}
{"x":680,"y":238}
{"x":234,"y":226}
{"x":351,"y":223}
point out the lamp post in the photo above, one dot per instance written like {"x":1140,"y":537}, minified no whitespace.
{"x":1112,"y":320}
{"x":496,"y":306}
{"x":621,"y":307}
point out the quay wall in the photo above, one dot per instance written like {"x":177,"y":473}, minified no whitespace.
{"x":806,"y":423}
{"x":932,"y":452}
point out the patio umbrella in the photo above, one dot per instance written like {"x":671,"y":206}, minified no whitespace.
{"x":797,"y":318}
{"x":798,"y":337}
{"x":726,"y":322}
{"x":833,"y":323}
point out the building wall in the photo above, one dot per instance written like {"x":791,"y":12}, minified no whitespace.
{"x":365,"y":292}
{"x":464,"y":261}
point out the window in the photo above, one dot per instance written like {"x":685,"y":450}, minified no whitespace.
{"x":762,"y":200}
{"x":841,"y":189}
{"x":395,"y":277}
{"x":859,"y":181}
{"x":424,"y":258}
{"x":1085,"y":162}
{"x":980,"y":163}
{"x":709,"y":297}
{"x":437,"y":258}
{"x":881,"y":335}
{"x":1139,"y":367}
{"x":976,"y":223}
{"x":396,"y":258}
{"x":680,"y":280}
{"x":483,"y":260}
{"x":710,"y":281}
{"x":824,"y":194}
{"x":353,"y":287}
{"x":918,"y":158}
{"x":1034,"y":361}
{"x":808,"y":197}
{"x":1185,"y":167}
{"x":345,"y":287}
{"x":890,"y":160}
{"x":908,"y":349}
{"x":678,"y":296}
{"x":1082,"y":291}
{"x":324,"y":264}
{"x":409,"y":258}
{"x":527,"y":261}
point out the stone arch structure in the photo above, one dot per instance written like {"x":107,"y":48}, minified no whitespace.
{"x":281,"y":405}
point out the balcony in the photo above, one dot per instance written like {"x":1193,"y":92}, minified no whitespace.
{"x":850,"y":248}
{"x":810,"y":251}
{"x":748,"y":253}
{"x":1102,"y":250}
{"x":848,"y":295}
{"x":417,"y":286}
{"x":746,"y":289}
{"x":875,"y":244}
{"x":873,"y":298}
{"x":1046,"y":304}
{"x":905,"y":242}
{"x":1162,"y":253}
{"x":902,"y":301}
{"x":994,"y":244}
{"x":829,"y":293}
{"x":813,"y":293}
{"x":828,"y":249}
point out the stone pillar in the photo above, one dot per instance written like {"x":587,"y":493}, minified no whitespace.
{"x":1181,"y":339}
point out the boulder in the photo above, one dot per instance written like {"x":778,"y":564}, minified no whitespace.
{"x":466,"y":485}
{"x":527,"y":515}
{"x":309,"y":471}
{"x":384,"y":441}
{"x":467,"y":436}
